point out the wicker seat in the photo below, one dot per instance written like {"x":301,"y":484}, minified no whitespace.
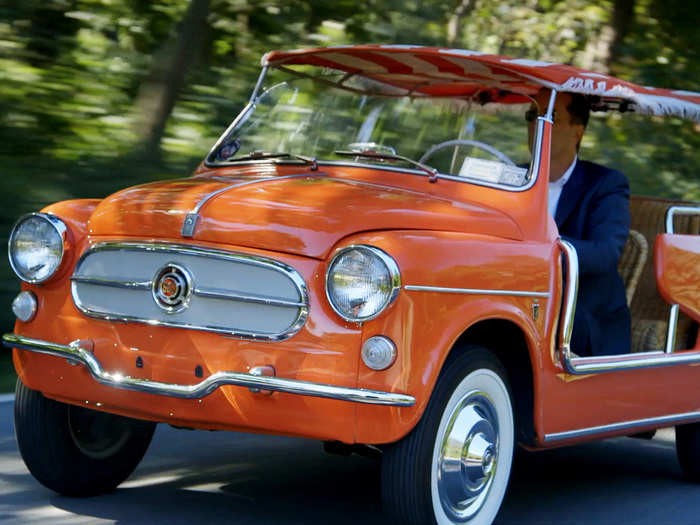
{"x":634,"y":256}
{"x":649,"y":310}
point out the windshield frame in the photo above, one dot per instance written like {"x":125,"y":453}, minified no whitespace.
{"x":247,"y":111}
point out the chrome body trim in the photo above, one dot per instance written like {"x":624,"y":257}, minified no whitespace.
{"x":264,"y":370}
{"x":390,"y":264}
{"x":76,"y":353}
{"x":678,"y":210}
{"x":609,"y":363}
{"x":215,"y":293}
{"x":113,"y":283}
{"x":568,"y":309}
{"x":661,"y":421}
{"x":58,"y":225}
{"x":613,"y":363}
{"x":192,"y":217}
{"x":473,"y":291}
{"x":237,"y":257}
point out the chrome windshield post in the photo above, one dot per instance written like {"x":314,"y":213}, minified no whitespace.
{"x":245,"y":113}
{"x":549,"y":116}
{"x":258,"y":85}
{"x":536,"y":157}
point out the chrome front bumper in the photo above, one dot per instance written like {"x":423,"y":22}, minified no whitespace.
{"x":76,"y":354}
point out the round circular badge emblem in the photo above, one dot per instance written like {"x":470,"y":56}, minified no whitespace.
{"x":172,"y":287}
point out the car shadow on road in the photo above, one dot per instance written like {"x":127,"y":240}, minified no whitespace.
{"x":223,"y":477}
{"x":621,"y":480}
{"x":251,"y":480}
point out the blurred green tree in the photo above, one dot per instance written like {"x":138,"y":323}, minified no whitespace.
{"x":96,"y":95}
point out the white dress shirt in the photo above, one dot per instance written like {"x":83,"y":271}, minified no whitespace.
{"x":556,"y":187}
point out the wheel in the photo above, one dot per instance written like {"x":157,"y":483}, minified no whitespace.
{"x":73,"y":450}
{"x":688,"y":450}
{"x":466,"y":142}
{"x":455,"y":464}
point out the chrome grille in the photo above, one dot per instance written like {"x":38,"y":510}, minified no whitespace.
{"x":233,"y":293}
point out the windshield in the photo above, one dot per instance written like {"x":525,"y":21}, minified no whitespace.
{"x":300,"y":118}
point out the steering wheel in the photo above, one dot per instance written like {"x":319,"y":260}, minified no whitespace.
{"x":465,"y":142}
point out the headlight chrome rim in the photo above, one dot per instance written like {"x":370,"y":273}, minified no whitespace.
{"x":59,"y":227}
{"x":389,"y":263}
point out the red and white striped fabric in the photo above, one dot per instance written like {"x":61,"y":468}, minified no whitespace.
{"x":440,"y":72}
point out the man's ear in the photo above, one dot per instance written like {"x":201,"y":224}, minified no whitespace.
{"x":579,"y":130}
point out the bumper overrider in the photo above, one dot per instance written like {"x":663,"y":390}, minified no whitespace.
{"x":74,"y":352}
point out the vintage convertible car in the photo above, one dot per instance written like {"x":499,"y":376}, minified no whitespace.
{"x":358,"y":261}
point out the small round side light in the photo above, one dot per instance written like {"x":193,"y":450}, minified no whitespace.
{"x":24,"y":306}
{"x":379,"y":352}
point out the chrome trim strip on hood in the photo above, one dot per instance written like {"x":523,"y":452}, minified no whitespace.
{"x":76,"y":353}
{"x":192,"y":217}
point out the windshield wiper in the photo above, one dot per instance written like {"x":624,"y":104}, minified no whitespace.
{"x":432,"y":172}
{"x":260,"y":155}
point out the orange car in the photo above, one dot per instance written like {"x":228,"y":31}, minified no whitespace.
{"x":365,"y":257}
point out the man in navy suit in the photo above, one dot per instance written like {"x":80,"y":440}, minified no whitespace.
{"x":590,"y":205}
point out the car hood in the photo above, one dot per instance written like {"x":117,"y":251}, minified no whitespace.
{"x":302,"y":213}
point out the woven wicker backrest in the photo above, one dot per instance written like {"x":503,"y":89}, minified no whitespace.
{"x":634,"y":257}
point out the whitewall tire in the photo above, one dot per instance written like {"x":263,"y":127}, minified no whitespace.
{"x":453,"y":468}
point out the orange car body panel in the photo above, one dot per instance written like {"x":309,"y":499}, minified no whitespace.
{"x":425,"y":324}
{"x":447,"y":234}
{"x":306,"y":213}
{"x":677,"y":267}
{"x":304,"y":219}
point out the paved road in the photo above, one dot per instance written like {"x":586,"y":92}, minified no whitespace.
{"x":218,"y":477}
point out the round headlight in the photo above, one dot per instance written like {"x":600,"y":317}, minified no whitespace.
{"x":361,"y":282}
{"x":35,"y":247}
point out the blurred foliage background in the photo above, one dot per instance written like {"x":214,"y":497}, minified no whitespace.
{"x":96,"y":95}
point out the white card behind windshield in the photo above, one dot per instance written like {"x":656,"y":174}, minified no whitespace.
{"x":493,"y":171}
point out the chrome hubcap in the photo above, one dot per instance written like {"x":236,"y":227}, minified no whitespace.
{"x":468,"y":456}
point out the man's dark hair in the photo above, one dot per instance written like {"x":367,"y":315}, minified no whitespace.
{"x":579,"y":109}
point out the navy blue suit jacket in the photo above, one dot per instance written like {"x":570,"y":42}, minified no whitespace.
{"x":593,"y":214}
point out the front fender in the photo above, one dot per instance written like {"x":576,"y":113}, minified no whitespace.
{"x":426,"y":324}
